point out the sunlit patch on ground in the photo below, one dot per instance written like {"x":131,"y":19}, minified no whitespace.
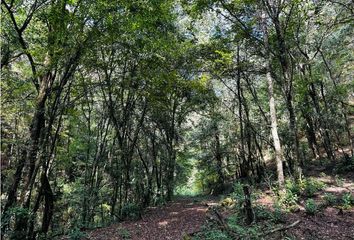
{"x":163,"y":223}
{"x":172,"y":221}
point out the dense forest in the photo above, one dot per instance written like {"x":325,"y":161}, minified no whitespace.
{"x":111,"y":107}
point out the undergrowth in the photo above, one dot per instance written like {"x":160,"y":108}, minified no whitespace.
{"x":264,"y":219}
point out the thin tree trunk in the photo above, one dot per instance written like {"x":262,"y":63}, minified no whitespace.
{"x":272,"y":109}
{"x":219,"y":165}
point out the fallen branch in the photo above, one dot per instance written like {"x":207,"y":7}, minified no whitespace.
{"x":281,"y":228}
{"x":224,"y":225}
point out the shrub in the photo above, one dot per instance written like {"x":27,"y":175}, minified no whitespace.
{"x":311,"y":207}
{"x":290,"y":198}
{"x":76,"y":234}
{"x":345,"y":165}
{"x":278,"y":214}
{"x":15,"y":213}
{"x":311,"y":186}
{"x":238,"y":195}
{"x":124,"y":233}
{"x":292,"y":186}
{"x":287,"y":198}
{"x":322,"y":174}
{"x":339,"y":181}
{"x":235,"y":223}
{"x":160,"y":201}
{"x":262,"y":213}
{"x":348,"y":200}
{"x":131,"y":211}
{"x":330,"y":199}
{"x":212,"y":235}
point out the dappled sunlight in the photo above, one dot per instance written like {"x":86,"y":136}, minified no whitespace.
{"x":163,"y":223}
{"x":335,"y":189}
{"x":173,"y":213}
{"x":195,"y":209}
{"x":167,"y":222}
{"x":177,"y":119}
{"x":266,"y":201}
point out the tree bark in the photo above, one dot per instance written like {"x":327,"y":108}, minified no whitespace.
{"x":272,"y":109}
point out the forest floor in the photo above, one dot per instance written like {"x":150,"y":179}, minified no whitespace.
{"x":330,"y":222}
{"x":178,"y":218}
{"x":185,"y":216}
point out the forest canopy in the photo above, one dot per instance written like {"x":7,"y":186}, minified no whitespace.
{"x":109,"y":107}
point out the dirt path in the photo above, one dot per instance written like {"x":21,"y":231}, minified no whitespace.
{"x":173,"y":221}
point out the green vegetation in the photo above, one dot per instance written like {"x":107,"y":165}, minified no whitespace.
{"x":330,"y":199}
{"x":212,"y":235}
{"x":76,"y":234}
{"x":311,"y":206}
{"x":109,"y":107}
{"x":348,"y":200}
{"x":131,"y":211}
{"x":124,"y":233}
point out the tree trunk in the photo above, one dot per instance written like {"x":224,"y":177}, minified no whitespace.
{"x":248,"y":205}
{"x":49,"y":203}
{"x":272,"y":109}
{"x":218,"y":158}
{"x":288,"y":84}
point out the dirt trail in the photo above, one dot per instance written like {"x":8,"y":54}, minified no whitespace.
{"x":173,"y":221}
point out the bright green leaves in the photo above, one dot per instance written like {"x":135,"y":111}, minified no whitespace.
{"x":204,"y":80}
{"x":196,"y":7}
{"x":72,"y":2}
{"x":224,"y":58}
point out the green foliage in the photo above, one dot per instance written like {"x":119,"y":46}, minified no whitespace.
{"x":278,"y":214}
{"x":311,"y":206}
{"x":289,"y":198}
{"x":294,"y":189}
{"x":124,"y":233}
{"x":245,"y":232}
{"x":135,"y":101}
{"x":345,"y":165}
{"x":293,"y":186}
{"x":225,"y":57}
{"x":227,"y":202}
{"x":212,"y":235}
{"x":131,"y":211}
{"x":311,"y":186}
{"x":76,"y":234}
{"x":238,"y":195}
{"x":160,"y":201}
{"x":15,"y":214}
{"x":348,"y":200}
{"x":307,"y":187}
{"x":330,"y":199}
{"x":186,"y":191}
{"x":261,"y":212}
{"x":339,"y":181}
